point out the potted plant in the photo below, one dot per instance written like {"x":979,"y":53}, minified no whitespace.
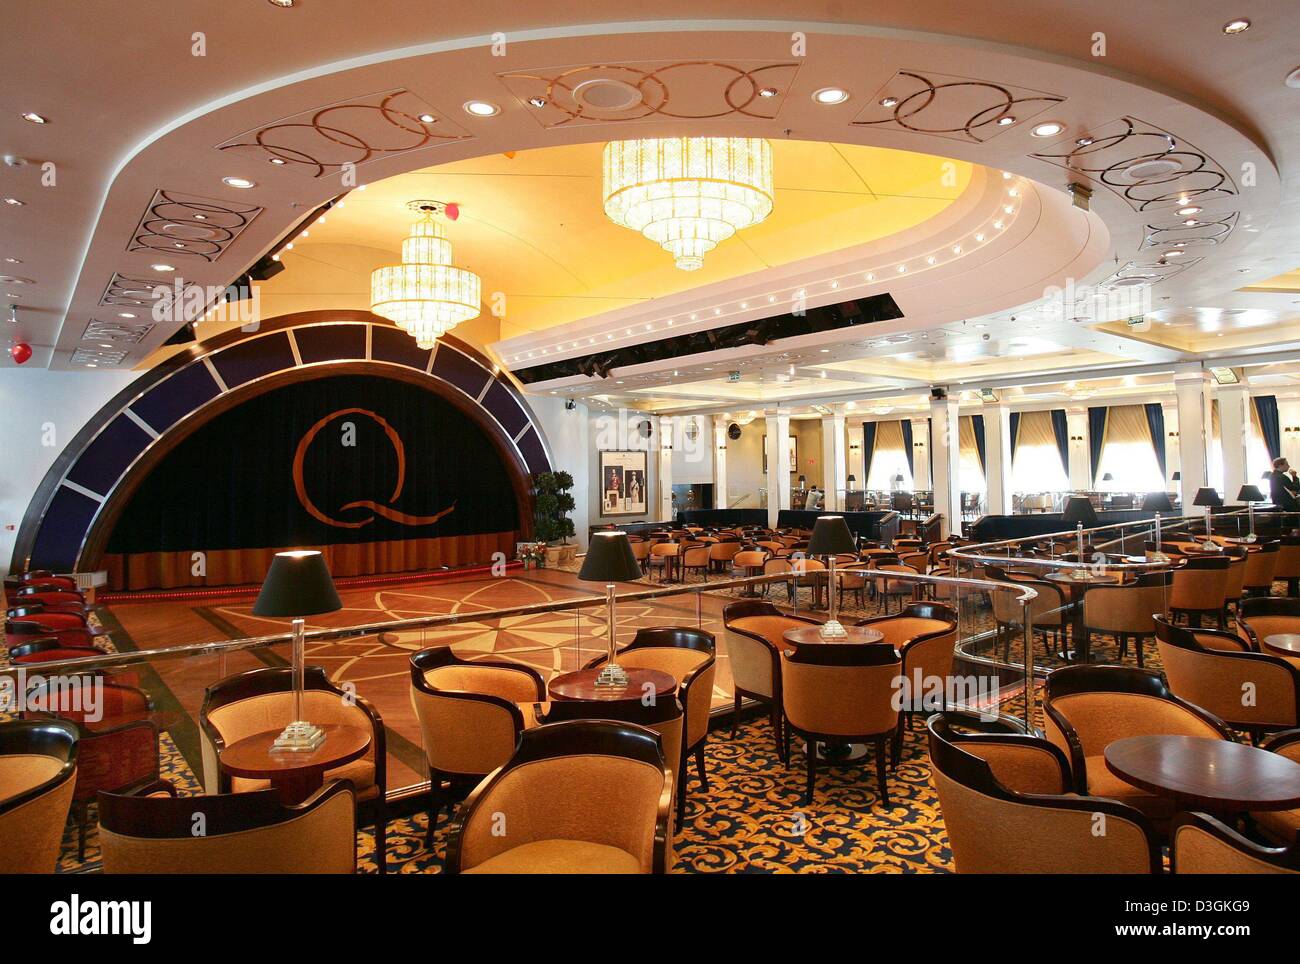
{"x":552,"y":525}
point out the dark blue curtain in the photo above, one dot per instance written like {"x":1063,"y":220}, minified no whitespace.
{"x":977,"y":423}
{"x":1266,"y":409}
{"x":1061,"y":429}
{"x":906,"y":425}
{"x":1156,"y":422}
{"x":1096,"y":436}
{"x":1015,"y":433}
{"x":868,"y":449}
{"x":929,"y":448}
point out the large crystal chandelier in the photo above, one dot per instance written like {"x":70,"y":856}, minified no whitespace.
{"x":427,"y":295}
{"x":688,"y":193}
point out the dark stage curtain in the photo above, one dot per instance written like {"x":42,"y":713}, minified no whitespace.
{"x":1096,"y":436}
{"x":977,"y":425}
{"x":1015,"y":433}
{"x":237,"y":483}
{"x":906,"y":425}
{"x":1061,"y":430}
{"x":868,"y":449}
{"x":1156,"y":422}
{"x":1266,"y":409}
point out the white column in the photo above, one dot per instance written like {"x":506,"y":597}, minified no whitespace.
{"x":1076,"y":421}
{"x":1172,"y":450}
{"x":778,"y":463}
{"x":667,"y":429}
{"x":1193,"y":391}
{"x":1288,"y":427}
{"x":835,"y":471}
{"x":997,"y":457}
{"x":1234,"y":426}
{"x":719,"y":461}
{"x":945,"y":438}
{"x":920,"y":453}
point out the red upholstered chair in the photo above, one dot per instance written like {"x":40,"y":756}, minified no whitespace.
{"x":47,"y":649}
{"x":53,"y":600}
{"x":117,"y":752}
{"x":25,"y":624}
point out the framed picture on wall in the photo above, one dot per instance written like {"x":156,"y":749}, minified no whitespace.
{"x":623,"y":483}
{"x":794,"y":454}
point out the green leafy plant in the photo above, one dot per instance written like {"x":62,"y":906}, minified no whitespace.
{"x":552,"y":505}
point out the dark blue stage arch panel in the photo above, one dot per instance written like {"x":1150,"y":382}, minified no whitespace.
{"x":67,"y":520}
{"x":324,"y":343}
{"x":534,"y":453}
{"x":460,"y":370}
{"x":396,"y":346}
{"x":246,"y":360}
{"x":176,"y":396}
{"x":503,"y":406}
{"x":104,"y":460}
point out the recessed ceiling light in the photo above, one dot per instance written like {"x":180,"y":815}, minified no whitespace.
{"x":1190,"y":209}
{"x":1191,"y":222}
{"x":13,"y":260}
{"x":1293,"y":78}
{"x":771,"y":299}
{"x":930,"y":260}
{"x":768,"y":92}
{"x":481,"y":108}
{"x":1006,"y":175}
{"x":1009,"y":209}
{"x":537,"y":101}
{"x":162,"y":267}
{"x":1234,"y":27}
{"x":278,"y":161}
{"x":1048,"y":129}
{"x":830,"y":95}
{"x":14,"y":201}
{"x":835,"y":284}
{"x":902,"y":268}
{"x":284,"y":4}
{"x":242,"y":183}
{"x":1006,"y":120}
{"x":1083,"y":142}
{"x":1175,"y":253}
{"x":956,"y":249}
{"x":1013,"y":192}
{"x":33,"y":117}
{"x":997,"y":225}
{"x":428,"y":119}
{"x":125,"y":314}
{"x":889,"y":102}
{"x":979,"y":237}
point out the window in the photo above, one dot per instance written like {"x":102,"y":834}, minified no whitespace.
{"x":1127,"y":454}
{"x":889,"y":458}
{"x":970,"y":471}
{"x":1036,"y":466}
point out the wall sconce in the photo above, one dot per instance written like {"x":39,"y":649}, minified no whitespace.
{"x":1076,"y":438}
{"x":1173,"y":435}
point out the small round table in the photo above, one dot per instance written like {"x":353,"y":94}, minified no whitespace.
{"x":1080,"y":581}
{"x":1285,"y":644}
{"x":581,"y":685}
{"x":295,"y":775}
{"x":808,"y":635}
{"x":1207,"y":774}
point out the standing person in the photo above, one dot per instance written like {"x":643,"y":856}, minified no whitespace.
{"x":1284,"y":486}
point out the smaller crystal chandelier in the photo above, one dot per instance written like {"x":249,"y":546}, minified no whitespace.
{"x":426,"y":295}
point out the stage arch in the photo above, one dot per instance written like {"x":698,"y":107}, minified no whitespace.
{"x":69,"y":521}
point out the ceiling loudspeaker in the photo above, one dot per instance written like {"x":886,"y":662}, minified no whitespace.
{"x":644,"y":429}
{"x":1080,"y":195}
{"x":938,"y":394}
{"x":733,"y":431}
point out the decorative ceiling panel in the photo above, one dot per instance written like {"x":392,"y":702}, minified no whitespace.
{"x":1198,"y":233}
{"x":1138,"y":273}
{"x":126,"y":292}
{"x":956,"y":108}
{"x":587,"y":94}
{"x":118,"y":331}
{"x":201,"y":227}
{"x":96,"y":358}
{"x":1146,"y":166}
{"x":322,"y":140}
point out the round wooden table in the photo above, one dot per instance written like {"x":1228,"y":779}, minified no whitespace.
{"x":1285,"y":644}
{"x":581,"y":685}
{"x":1079,"y":586}
{"x":1207,"y":774}
{"x":295,"y":775}
{"x":808,"y":635}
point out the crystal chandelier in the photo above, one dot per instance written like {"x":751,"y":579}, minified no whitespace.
{"x":687,"y":194}
{"x":426,"y":295}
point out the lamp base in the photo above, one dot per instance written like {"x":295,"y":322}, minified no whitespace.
{"x":831,"y":629}
{"x":612,"y":675}
{"x":1157,"y":557}
{"x":298,"y":737}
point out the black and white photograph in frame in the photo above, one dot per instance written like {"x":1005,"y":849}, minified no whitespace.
{"x":623,"y":483}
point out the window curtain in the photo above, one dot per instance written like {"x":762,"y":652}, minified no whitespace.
{"x":1037,"y":466}
{"x":1266,"y":412}
{"x":1096,"y":439}
{"x":890,"y":456}
{"x":1156,"y":424}
{"x":868,"y":449}
{"x":1061,"y":430}
{"x":977,"y":428}
{"x":970,"y":467}
{"x":1015,"y":433}
{"x":905,"y":426}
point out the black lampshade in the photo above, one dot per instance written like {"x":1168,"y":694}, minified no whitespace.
{"x":852,"y":478}
{"x":1079,"y":509}
{"x":1207,"y":496}
{"x":609,"y":559}
{"x":1176,"y":477}
{"x":830,"y":537}
{"x":1157,"y":502}
{"x":298,"y":584}
{"x":1108,"y":477}
{"x":1250,"y":493}
{"x":802,"y":479}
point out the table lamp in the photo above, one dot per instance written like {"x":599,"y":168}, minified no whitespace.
{"x":1157,"y":502}
{"x":609,"y":560}
{"x":1209,"y":498}
{"x":1250,"y":494}
{"x":1079,"y":510}
{"x":298,"y":585}
{"x":830,"y":537}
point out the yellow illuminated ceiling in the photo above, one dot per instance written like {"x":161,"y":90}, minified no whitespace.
{"x":533,"y":227}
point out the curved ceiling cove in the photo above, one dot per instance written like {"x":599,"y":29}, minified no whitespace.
{"x":255,"y":163}
{"x":88,"y":483}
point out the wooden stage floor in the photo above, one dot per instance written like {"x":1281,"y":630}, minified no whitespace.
{"x":378,"y":665}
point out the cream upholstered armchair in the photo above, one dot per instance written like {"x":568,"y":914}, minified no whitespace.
{"x":1281,"y":825}
{"x":471,"y":713}
{"x":583,"y":797}
{"x":245,"y":833}
{"x":1200,"y":844}
{"x":262,"y":699}
{"x":38,"y":765}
